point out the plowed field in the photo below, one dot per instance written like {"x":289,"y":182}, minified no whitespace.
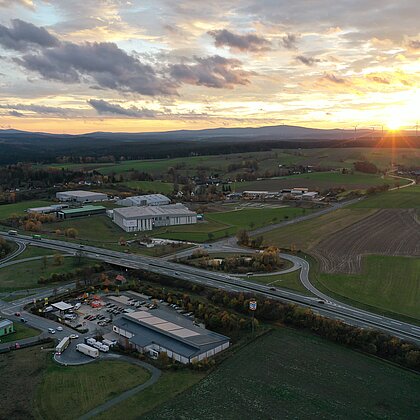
{"x":387,"y":232}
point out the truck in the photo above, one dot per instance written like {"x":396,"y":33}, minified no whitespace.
{"x":12,"y":232}
{"x":62,"y":345}
{"x":88,"y":350}
{"x":36,"y":236}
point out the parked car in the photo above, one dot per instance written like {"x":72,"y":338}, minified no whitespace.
{"x":17,"y":313}
{"x":74,"y":336}
{"x":59,"y":328}
{"x":51,"y":330}
{"x":23,"y":320}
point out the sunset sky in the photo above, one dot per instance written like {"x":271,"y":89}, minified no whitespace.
{"x":114,"y":65}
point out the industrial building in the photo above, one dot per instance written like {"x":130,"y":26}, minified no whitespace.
{"x":6,"y":327}
{"x":145,"y":200}
{"x":47,"y":209}
{"x":81,"y":196}
{"x":81,"y":212}
{"x":177,"y":336}
{"x":134,"y":219}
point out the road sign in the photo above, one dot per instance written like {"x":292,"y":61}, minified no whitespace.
{"x":253,"y":305}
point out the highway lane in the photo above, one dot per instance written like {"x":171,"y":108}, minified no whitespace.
{"x":21,"y":248}
{"x":323,"y":304}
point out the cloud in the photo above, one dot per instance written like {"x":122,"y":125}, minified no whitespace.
{"x":102,"y":63}
{"x":330,"y":77}
{"x":23,"y":35}
{"x":289,"y":41}
{"x":9,"y":3}
{"x":104,"y":107}
{"x":414,"y":44}
{"x":379,"y":79}
{"x":308,"y":61}
{"x":14,"y":113}
{"x":214,"y":71}
{"x":248,"y":42}
{"x":39,"y":109}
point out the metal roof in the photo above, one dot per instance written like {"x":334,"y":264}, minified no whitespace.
{"x":149,"y":198}
{"x":62,"y":306}
{"x":5,"y":323}
{"x":134,"y":212}
{"x":82,"y":209}
{"x":81,"y":193}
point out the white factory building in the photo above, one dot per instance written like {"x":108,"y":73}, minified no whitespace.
{"x":81,"y":196}
{"x":134,"y":219}
{"x":145,"y":200}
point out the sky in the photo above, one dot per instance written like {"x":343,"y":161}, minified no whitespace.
{"x":76,"y":66}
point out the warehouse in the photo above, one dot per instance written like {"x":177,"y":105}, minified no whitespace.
{"x":145,"y":200}
{"x":81,"y":196}
{"x":6,"y":327}
{"x":47,"y":209}
{"x":81,"y":212}
{"x":134,"y":219}
{"x":175,"y":335}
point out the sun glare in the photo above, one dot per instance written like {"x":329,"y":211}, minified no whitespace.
{"x":394,"y":124}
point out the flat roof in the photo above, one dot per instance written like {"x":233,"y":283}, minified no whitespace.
{"x":82,"y":209}
{"x":134,"y":212}
{"x":173,"y":331}
{"x":5,"y":323}
{"x":62,"y":306}
{"x":148,"y":197}
{"x":80,"y":193}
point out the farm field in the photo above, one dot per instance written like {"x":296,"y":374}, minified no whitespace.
{"x":69,"y":392}
{"x":220,"y":224}
{"x":307,"y":234}
{"x":390,"y":284}
{"x":170,"y":385}
{"x":404,"y":198}
{"x":6,"y":210}
{"x":26,"y":275}
{"x":21,"y":332}
{"x":292,"y":374}
{"x":150,"y":186}
{"x":386,"y":232}
{"x":318,"y":181}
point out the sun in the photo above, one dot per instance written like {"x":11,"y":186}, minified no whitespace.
{"x":394,"y":124}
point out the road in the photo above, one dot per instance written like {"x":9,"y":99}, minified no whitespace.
{"x":322,"y":304}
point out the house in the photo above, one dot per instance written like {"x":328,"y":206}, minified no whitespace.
{"x":6,"y":327}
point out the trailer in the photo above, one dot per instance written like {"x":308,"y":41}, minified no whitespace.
{"x":90,"y":341}
{"x":62,"y":345}
{"x":88,"y":350}
{"x":12,"y":232}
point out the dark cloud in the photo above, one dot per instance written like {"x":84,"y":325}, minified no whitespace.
{"x":289,"y":41}
{"x":39,"y":109}
{"x":215,"y":72}
{"x":248,"y":42}
{"x":414,"y":44}
{"x":330,"y":77}
{"x":14,"y":113}
{"x":103,"y":63}
{"x":23,"y":35}
{"x":308,"y":61}
{"x":104,"y":107}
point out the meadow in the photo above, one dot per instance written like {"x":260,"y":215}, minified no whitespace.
{"x":6,"y":210}
{"x":292,"y":374}
{"x":21,"y":331}
{"x":150,"y":186}
{"x":404,"y":198}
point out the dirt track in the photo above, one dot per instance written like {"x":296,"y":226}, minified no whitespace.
{"x":386,"y":232}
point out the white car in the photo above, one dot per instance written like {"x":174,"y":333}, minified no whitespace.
{"x":59,"y":328}
{"x":51,"y":330}
{"x":74,"y":336}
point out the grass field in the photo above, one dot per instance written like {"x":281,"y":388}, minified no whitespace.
{"x":306,"y":234}
{"x":228,"y":223}
{"x":33,"y":251}
{"x":27,"y":274}
{"x":169,"y":386}
{"x":388,"y":283}
{"x":403,"y":198}
{"x":21,"y":332}
{"x":68,"y":392}
{"x":6,"y":210}
{"x":150,"y":186}
{"x":291,"y":374}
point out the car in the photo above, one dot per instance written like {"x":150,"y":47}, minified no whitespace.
{"x":321,"y":301}
{"x":23,"y":320}
{"x":273,"y":288}
{"x":17,"y":313}
{"x":59,"y":328}
{"x":74,"y":336}
{"x":176,"y":273}
{"x":86,"y":316}
{"x":51,"y":330}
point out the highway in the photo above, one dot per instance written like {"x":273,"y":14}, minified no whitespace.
{"x":321,"y":304}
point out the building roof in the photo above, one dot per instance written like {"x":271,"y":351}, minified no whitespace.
{"x":5,"y":323}
{"x":174,"y":332}
{"x":80,"y":193}
{"x":152,"y":211}
{"x":149,"y":198}
{"x":62,"y":306}
{"x":82,"y":209}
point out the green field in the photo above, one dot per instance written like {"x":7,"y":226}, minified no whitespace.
{"x":228,"y":223}
{"x":291,"y":374}
{"x":21,"y":332}
{"x":308,"y":233}
{"x":169,"y":386}
{"x":404,"y":198}
{"x":27,"y":274}
{"x":150,"y":186}
{"x":34,"y":251}
{"x":68,"y":392}
{"x":390,"y":284}
{"x":6,"y":210}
